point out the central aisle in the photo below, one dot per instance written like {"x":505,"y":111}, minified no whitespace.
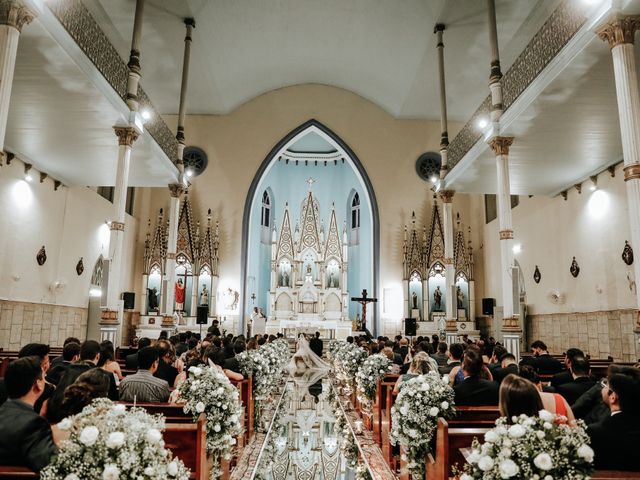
{"x":306,"y":440}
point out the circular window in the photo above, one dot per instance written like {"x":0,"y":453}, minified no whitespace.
{"x":195,"y":159}
{"x":428,"y":166}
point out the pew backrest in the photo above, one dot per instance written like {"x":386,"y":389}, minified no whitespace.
{"x":188,"y":442}
{"x":172,"y":413}
{"x":10,"y":473}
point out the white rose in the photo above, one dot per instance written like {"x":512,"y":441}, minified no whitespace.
{"x":547,"y":477}
{"x":491,"y":436}
{"x":149,"y":471}
{"x":473,"y":457}
{"x":485,"y":463}
{"x":540,"y":434}
{"x":111,"y":472}
{"x":548,"y":425}
{"x":543,"y":461}
{"x":217,"y":428}
{"x":199,"y":407}
{"x":516,"y":431}
{"x":72,"y":476}
{"x":65,"y":424}
{"x":586,"y":452}
{"x":153,"y":435}
{"x":546,"y":416}
{"x":89,"y":435}
{"x":119,"y":408}
{"x":508,"y":468}
{"x":464,"y":476}
{"x":172,"y":468}
{"x":197,"y":371}
{"x":444,"y":405}
{"x":434,"y":411}
{"x":115,"y":440}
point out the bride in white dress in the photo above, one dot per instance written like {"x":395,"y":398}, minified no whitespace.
{"x":305,"y":358}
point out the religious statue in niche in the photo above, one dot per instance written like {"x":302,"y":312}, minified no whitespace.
{"x":231,"y":299}
{"x":627,"y":253}
{"x":179,"y":294}
{"x":437,"y":298}
{"x":308,"y":276}
{"x":204,"y":296}
{"x":284,"y":275}
{"x":79,"y":267}
{"x":414,"y":300}
{"x":575,"y":269}
{"x":41,"y":256}
{"x":537,"y":275}
{"x":460,"y":297}
{"x":152,"y":295}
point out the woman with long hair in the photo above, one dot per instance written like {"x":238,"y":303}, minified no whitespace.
{"x":88,"y":386}
{"x":518,"y":396}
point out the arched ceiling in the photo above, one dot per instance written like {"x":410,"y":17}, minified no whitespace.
{"x":382,"y":50}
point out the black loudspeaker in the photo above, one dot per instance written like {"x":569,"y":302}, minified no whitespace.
{"x":410,"y":327}
{"x":129,"y":300}
{"x":487,"y":306}
{"x":203,"y":315}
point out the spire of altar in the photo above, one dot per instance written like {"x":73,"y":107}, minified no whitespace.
{"x":311,"y":181}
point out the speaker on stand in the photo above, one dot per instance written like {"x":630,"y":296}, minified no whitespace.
{"x":410,"y":327}
{"x":487,"y":306}
{"x":202,"y":316}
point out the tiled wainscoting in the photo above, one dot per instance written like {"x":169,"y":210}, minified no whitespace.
{"x":600,"y":334}
{"x":22,"y":323}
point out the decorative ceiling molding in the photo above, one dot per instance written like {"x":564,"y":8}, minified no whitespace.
{"x":554,"y":35}
{"x":86,"y":32}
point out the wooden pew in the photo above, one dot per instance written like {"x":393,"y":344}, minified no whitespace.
{"x":383,"y":388}
{"x":613,"y":475}
{"x":245,"y":389}
{"x":172,"y":413}
{"x":188,"y":442}
{"x":10,"y":473}
{"x":448,"y":443}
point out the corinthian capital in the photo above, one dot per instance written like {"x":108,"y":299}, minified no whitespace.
{"x":126,"y":135}
{"x":619,"y":30}
{"x":176,"y":189}
{"x":15,"y":14}
{"x":446,"y":195}
{"x":500,"y":145}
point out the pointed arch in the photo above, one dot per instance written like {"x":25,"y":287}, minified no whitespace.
{"x":367,"y":188}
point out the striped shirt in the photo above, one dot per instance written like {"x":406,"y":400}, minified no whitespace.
{"x":144,"y":387}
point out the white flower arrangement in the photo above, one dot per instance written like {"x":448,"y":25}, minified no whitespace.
{"x":532,"y":447}
{"x":109,"y":442}
{"x":346,"y":359}
{"x":207,"y":390}
{"x":267,"y":363}
{"x":414,"y":417}
{"x":371,"y":370}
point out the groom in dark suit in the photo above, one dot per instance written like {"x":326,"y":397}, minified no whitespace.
{"x":315,"y":344}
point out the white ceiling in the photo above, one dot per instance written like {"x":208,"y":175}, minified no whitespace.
{"x":571,"y":131}
{"x":311,"y":143}
{"x":382,"y":50}
{"x":62,"y":124}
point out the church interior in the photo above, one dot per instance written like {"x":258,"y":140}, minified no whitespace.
{"x":458,"y":169}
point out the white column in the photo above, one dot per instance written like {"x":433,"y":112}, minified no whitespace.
{"x":472,"y":301}
{"x":14,"y":15}
{"x":172,"y":241}
{"x":144,"y":301}
{"x":447,"y":212}
{"x":620,"y":35}
{"x":112,"y":315}
{"x":195,"y":292}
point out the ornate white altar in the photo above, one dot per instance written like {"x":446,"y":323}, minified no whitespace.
{"x":309,"y":274}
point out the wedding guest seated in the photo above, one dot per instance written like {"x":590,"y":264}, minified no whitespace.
{"x":553,"y":402}
{"x":495,"y":360}
{"x":441,"y":356}
{"x":60,"y":359}
{"x":474,"y":390}
{"x":88,"y":386}
{"x":107,"y":359}
{"x":565,"y":375}
{"x":455,"y":354}
{"x":143,"y":386}
{"x":581,"y":382}
{"x":166,"y":371}
{"x":26,"y":437}
{"x":508,"y":366}
{"x":544,"y":363}
{"x":131,"y":361}
{"x":232,"y":363}
{"x":419,"y":366}
{"x":216,"y":356}
{"x":615,"y":439}
{"x":456,"y":375}
{"x":518,"y":396}
{"x":591,"y":407}
{"x":70,"y":354}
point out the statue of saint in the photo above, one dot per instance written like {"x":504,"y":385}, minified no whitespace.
{"x":332,"y":280}
{"x":414,"y":299}
{"x":308,"y":277}
{"x":437,"y":299}
{"x":179,"y":294}
{"x":204,"y":296}
{"x":285,"y":278}
{"x":460,"y":297}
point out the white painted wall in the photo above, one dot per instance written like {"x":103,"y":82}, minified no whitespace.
{"x":592,"y":226}
{"x":70,"y":223}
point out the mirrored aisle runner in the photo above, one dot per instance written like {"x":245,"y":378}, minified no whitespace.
{"x":310,"y":437}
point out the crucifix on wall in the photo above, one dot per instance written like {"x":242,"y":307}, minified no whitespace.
{"x":364,"y":300}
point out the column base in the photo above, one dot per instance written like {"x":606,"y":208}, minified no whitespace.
{"x":511,"y":340}
{"x":109,"y":326}
{"x":451,"y":331}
